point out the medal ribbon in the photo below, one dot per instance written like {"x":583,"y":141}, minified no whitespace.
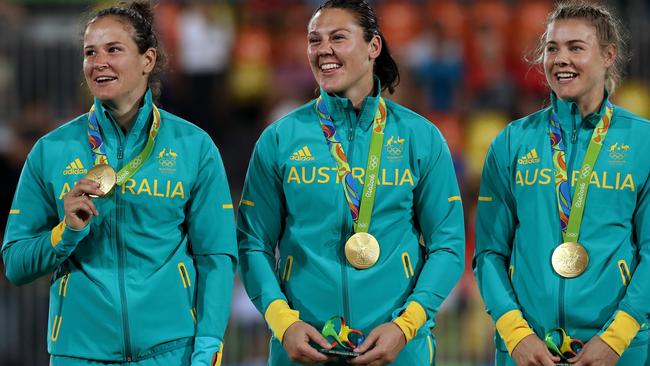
{"x":571,"y":215}
{"x":360,"y":207}
{"x":99,"y":150}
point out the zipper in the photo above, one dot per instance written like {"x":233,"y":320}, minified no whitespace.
{"x":121,"y":257}
{"x":571,"y":161}
{"x":346,"y":228}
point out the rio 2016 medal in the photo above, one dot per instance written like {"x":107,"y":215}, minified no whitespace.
{"x":105,"y":176}
{"x":362,"y":250}
{"x":569,"y":259}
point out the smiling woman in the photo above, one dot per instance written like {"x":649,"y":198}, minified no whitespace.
{"x":345,"y":240}
{"x":125,"y":279}
{"x":569,"y":242}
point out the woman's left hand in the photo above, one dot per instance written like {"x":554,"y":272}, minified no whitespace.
{"x":595,"y":353}
{"x":383,"y":345}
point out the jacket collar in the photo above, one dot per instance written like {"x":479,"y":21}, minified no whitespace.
{"x":339,"y":108}
{"x":568,"y":111}
{"x":109,"y":125}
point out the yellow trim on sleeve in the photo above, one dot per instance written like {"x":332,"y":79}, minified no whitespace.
{"x":453,"y":198}
{"x":513,"y":328}
{"x":226,"y":205}
{"x":411,"y":319}
{"x":217,"y":359}
{"x":247,"y":203}
{"x":620,"y":332}
{"x":14,"y":212}
{"x":485,"y":198}
{"x":280,"y":317}
{"x":57,"y":233}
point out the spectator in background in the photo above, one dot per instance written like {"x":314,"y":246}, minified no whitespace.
{"x":205,"y":39}
{"x":386,"y":270}
{"x":142,"y":272}
{"x":563,"y":226}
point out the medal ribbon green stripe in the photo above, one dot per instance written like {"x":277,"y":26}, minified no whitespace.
{"x":99,"y":150}
{"x":577,"y":202}
{"x":361,"y":210}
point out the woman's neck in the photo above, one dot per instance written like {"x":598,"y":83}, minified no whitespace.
{"x":358,"y":94}
{"x":124,"y":114}
{"x":591,"y":103}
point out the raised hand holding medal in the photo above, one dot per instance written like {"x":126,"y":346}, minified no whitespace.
{"x":105,"y":176}
{"x":101,"y":178}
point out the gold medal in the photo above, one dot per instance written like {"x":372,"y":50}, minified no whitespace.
{"x":569,"y":259}
{"x":362,"y":250}
{"x":105,"y":176}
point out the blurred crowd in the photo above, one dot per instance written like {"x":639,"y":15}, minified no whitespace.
{"x":236,"y":66}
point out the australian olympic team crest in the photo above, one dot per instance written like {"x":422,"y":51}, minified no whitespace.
{"x":394,"y":148}
{"x":617,"y":153}
{"x":167,"y":160}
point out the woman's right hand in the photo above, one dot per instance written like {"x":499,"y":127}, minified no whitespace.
{"x":531,"y":351}
{"x":296,"y":342}
{"x":79,"y":207}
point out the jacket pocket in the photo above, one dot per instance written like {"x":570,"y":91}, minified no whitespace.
{"x":408,"y":266}
{"x":625,"y":272}
{"x":431,"y":350}
{"x":286,"y":270}
{"x":187,"y":284}
{"x":58,"y":317}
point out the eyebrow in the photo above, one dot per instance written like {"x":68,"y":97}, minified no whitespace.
{"x":569,"y":41}
{"x":107,"y":44}
{"x":332,"y":31}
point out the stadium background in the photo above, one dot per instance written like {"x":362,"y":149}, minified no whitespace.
{"x":236,"y":66}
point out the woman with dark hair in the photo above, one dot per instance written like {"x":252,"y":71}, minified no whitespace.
{"x":563,"y":227}
{"x":358,"y":196}
{"x":128,"y":207}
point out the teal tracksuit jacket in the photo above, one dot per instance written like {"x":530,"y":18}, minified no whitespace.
{"x":518,"y":225}
{"x":292,"y":201}
{"x":154,"y":271}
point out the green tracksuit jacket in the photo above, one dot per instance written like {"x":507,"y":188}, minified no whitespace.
{"x":518,"y":225}
{"x":154,"y":271}
{"x":292,"y":201}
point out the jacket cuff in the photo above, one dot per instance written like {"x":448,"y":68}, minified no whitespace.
{"x":411,"y":320}
{"x":513,"y":328}
{"x":207,"y":351}
{"x":280,"y":317}
{"x":64,"y":239}
{"x":620,"y":332}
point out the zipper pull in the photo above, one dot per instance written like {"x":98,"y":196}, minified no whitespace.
{"x":120,"y":153}
{"x":574,"y":138}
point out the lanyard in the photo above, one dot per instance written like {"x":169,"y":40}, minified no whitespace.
{"x":361,"y":211}
{"x":571,"y":215}
{"x":99,"y":150}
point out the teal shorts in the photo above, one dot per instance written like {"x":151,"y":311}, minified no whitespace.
{"x":420,"y":351}
{"x":177,"y":357}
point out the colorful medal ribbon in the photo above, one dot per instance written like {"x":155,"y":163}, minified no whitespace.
{"x":360,"y":208}
{"x":99,"y":150}
{"x":571,"y":217}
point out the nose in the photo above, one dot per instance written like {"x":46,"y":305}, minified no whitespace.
{"x":561,"y":59}
{"x":324,"y":48}
{"x":100,"y":62}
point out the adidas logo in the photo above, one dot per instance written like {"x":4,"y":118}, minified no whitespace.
{"x":74,"y":168}
{"x":302,"y":155}
{"x":530,"y":158}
